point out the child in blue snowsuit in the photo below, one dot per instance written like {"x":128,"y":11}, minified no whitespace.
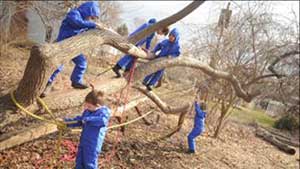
{"x":94,"y":122}
{"x":126,"y":61}
{"x":168,"y":48}
{"x":77,"y":21}
{"x":199,"y":126}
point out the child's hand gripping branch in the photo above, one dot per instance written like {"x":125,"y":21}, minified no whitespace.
{"x":94,"y":121}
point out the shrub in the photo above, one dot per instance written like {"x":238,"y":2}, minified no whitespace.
{"x":287,"y":122}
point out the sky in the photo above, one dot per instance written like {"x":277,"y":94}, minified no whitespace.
{"x":208,"y":12}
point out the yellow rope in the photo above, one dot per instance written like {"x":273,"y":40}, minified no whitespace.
{"x":131,"y":121}
{"x":60,"y":125}
{"x":28,"y":112}
{"x":46,"y":108}
{"x":123,"y":124}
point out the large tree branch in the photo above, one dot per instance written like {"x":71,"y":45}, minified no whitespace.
{"x":182,"y":110}
{"x":157,"y":64}
{"x":44,"y":57}
{"x":260,"y":78}
{"x":68,"y":48}
{"x":281,"y":57}
{"x":162,"y":105}
{"x":166,"y":22}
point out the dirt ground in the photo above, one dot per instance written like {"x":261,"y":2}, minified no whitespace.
{"x":237,"y":146}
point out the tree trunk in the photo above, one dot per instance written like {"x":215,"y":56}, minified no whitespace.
{"x":221,"y":119}
{"x":34,"y":79}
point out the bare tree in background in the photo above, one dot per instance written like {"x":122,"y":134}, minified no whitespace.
{"x":110,"y":13}
{"x":123,"y":30}
{"x":246,"y":48}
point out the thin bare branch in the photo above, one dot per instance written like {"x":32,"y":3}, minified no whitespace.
{"x":161,"y":63}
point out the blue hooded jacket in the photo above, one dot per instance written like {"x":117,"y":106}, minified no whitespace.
{"x":75,"y":23}
{"x":169,"y":48}
{"x":147,"y":39}
{"x":126,"y":61}
{"x":94,"y":127}
{"x":166,"y":48}
{"x":199,"y":126}
{"x":72,"y":25}
{"x":199,"y":117}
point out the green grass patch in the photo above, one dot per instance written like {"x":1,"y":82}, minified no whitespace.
{"x":247,"y":116}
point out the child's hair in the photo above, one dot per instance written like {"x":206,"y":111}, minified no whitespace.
{"x":165,"y":31}
{"x":95,"y":97}
{"x":203,"y":106}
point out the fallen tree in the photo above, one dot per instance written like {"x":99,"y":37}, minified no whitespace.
{"x":274,"y":140}
{"x":44,"y":59}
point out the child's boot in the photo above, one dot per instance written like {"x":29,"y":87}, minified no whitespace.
{"x":47,"y":90}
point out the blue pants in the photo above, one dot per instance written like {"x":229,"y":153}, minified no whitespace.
{"x":78,"y":71}
{"x":191,"y":137}
{"x":55,"y":73}
{"x":153,"y":78}
{"x":87,"y":158}
{"x":126,"y":62}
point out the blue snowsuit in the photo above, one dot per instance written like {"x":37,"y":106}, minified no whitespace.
{"x":199,"y":126}
{"x":72,"y":25}
{"x":166,"y":48}
{"x":94,"y":127}
{"x":126,"y":61}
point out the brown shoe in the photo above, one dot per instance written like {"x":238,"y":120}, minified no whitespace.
{"x":79,"y":85}
{"x":46,"y":90}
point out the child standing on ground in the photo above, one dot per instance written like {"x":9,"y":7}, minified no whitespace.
{"x":199,"y":126}
{"x":94,"y":122}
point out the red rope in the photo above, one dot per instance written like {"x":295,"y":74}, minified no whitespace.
{"x":126,"y":88}
{"x":72,"y":147}
{"x":72,"y":151}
